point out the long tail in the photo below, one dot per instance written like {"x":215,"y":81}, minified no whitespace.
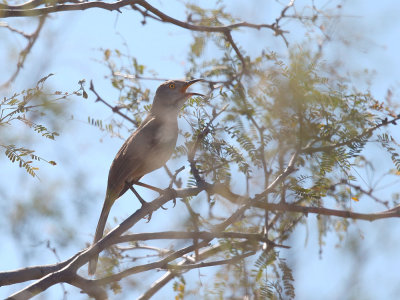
{"x":108,"y":202}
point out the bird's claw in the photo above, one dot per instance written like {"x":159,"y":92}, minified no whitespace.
{"x":172,"y":192}
{"x":144,"y":204}
{"x":148,"y":217}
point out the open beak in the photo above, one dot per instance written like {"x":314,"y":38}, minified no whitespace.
{"x":189,"y":83}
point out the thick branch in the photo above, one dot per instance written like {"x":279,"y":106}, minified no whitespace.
{"x":390,"y":213}
{"x":12,"y":12}
{"x":258,"y":202}
{"x":31,"y":273}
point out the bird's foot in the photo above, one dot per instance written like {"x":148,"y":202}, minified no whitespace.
{"x":146,"y":205}
{"x":148,"y":217}
{"x":170,"y":192}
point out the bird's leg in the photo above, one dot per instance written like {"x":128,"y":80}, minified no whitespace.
{"x":158,"y":190}
{"x":150,"y":187}
{"x":153,"y":188}
{"x":142,"y":201}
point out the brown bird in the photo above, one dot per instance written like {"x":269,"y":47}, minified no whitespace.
{"x":146,"y":150}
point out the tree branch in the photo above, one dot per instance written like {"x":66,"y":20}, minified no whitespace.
{"x":7,"y":11}
{"x":31,"y":273}
{"x":32,"y":38}
{"x":66,"y":271}
{"x":29,"y":9}
{"x":187,"y":235}
{"x":12,"y":12}
{"x":26,"y":5}
{"x":390,"y":213}
{"x":229,"y":38}
{"x":209,"y":264}
{"x":66,"y":274}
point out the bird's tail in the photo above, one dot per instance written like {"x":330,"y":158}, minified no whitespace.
{"x":108,"y":202}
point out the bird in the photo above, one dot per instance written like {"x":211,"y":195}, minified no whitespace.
{"x":148,"y":148}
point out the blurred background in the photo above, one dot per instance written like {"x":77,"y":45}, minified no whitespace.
{"x":52,"y":216}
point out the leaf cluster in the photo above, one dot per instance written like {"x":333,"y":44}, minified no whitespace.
{"x":30,"y":107}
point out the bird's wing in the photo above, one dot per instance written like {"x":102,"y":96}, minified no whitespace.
{"x":134,"y":158}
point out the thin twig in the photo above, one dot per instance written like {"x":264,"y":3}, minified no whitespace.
{"x":209,"y":264}
{"x":115,"y":109}
{"x":229,"y":38}
{"x":20,"y":32}
{"x":289,"y":169}
{"x":363,"y":191}
{"x":26,"y":5}
{"x":173,"y":177}
{"x":366,"y":133}
{"x":32,"y":38}
{"x":137,"y":77}
{"x":191,"y":235}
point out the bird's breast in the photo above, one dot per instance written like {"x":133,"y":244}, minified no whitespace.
{"x":167,"y":133}
{"x":162,"y":145}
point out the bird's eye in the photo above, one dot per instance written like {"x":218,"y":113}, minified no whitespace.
{"x":171,"y":85}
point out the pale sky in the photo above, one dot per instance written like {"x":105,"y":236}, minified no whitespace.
{"x":70,"y":44}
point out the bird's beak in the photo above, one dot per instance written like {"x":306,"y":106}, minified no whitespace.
{"x":189,"y":83}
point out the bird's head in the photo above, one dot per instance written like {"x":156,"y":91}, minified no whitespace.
{"x":171,"y":95}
